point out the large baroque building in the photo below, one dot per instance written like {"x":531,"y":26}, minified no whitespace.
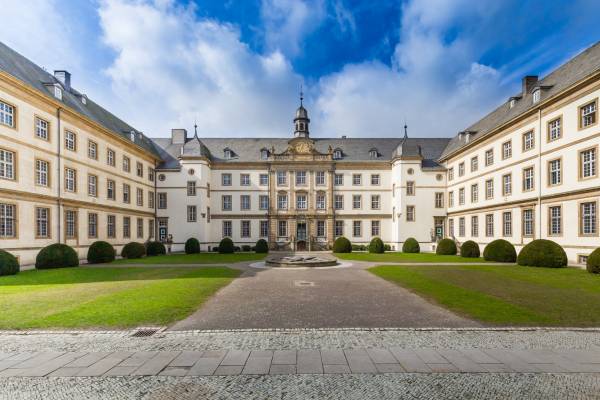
{"x":72,"y":172}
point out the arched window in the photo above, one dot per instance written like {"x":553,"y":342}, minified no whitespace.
{"x":373,"y":153}
{"x":337,"y":154}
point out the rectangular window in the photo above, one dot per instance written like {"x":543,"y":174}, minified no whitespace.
{"x":110,"y":190}
{"x":162,"y":200}
{"x":356,"y":228}
{"x":474,"y":164}
{"x":70,"y":180}
{"x":92,"y":185}
{"x":8,"y":220}
{"x":451,"y":227}
{"x":506,"y":185}
{"x":320,"y":229}
{"x":450,"y":199}
{"x":264,"y":228}
{"x":554,"y":172}
{"x":191,"y":188}
{"x":474,"y":193}
{"x":226,"y":202}
{"x":439,"y":200}
{"x":263,"y":180}
{"x":245,"y":229}
{"x":139,"y":197}
{"x":41,"y":128}
{"x":244,"y":179}
{"x":281,"y":178}
{"x":356,"y":179}
{"x":7,"y":164}
{"x":151,"y":174}
{"x":338,"y":202}
{"x":300,"y":178}
{"x":461,"y":196}
{"x":92,"y":150}
{"x":301,"y":202}
{"x":555,"y":223}
{"x":126,"y":193}
{"x":410,"y":213}
{"x":41,"y":172}
{"x":588,"y":114}
{"x":126,"y":227}
{"x":320,"y":203}
{"x":375,"y":228}
{"x":226,"y":179}
{"x":263,"y":202}
{"x":474,"y":226}
{"x":151,"y":228}
{"x":70,"y":141}
{"x":338,"y":179}
{"x":70,"y":224}
{"x":191,"y":213}
{"x":140,"y":228}
{"x":356,"y":201}
{"x":375,"y":179}
{"x":489,"y":225}
{"x":110,"y":157}
{"x":245,"y":202}
{"x":588,"y":218}
{"x":450,"y":174}
{"x":150,"y":199}
{"x":282,"y":229}
{"x":320,"y":178}
{"x":111,"y":226}
{"x":339,"y":228}
{"x":461,"y":169}
{"x":126,"y":164}
{"x":554,"y":129}
{"x":139,"y":169}
{"x":92,"y":225}
{"x":410,"y":188}
{"x":528,"y":179}
{"x":507,"y":223}
{"x":588,"y":163}
{"x":489,"y":189}
{"x":528,"y":141}
{"x":528,"y":222}
{"x":42,"y":219}
{"x":7,"y":114}
{"x":375,"y":202}
{"x":489,"y":157}
{"x":227,"y":229}
{"x":506,"y":150}
{"x":282,"y":201}
{"x":461,"y":226}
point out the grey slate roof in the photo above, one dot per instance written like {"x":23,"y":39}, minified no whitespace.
{"x":31,"y":74}
{"x":578,"y":68}
{"x":353,"y":150}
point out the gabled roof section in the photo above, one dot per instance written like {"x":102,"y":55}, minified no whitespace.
{"x":34,"y":76}
{"x":195,"y":148}
{"x":578,"y":68}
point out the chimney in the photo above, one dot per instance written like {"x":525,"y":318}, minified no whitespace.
{"x":64,"y":77}
{"x":528,"y":83}
{"x":178,"y":136}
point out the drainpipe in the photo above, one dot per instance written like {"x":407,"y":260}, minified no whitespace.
{"x":58,"y":177}
{"x":539,"y":199}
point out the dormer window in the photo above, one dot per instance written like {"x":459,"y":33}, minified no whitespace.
{"x":512,"y":103}
{"x":373,"y":153}
{"x":264,"y":154}
{"x":337,"y":154}
{"x":84,"y":99}
{"x":58,"y":92}
{"x":227,"y":154}
{"x":537,"y":93}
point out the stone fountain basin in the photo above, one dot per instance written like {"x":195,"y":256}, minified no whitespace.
{"x":300,"y":261}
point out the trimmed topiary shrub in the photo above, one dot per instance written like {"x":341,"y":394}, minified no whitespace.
{"x":133,"y":250}
{"x":155,"y":249}
{"x":411,"y":246}
{"x":593,"y":262}
{"x":246,"y":247}
{"x":470,"y":249}
{"x":500,"y":250}
{"x":101,"y":252}
{"x":56,"y":255}
{"x":261,"y":246}
{"x":342,"y":245}
{"x":376,"y":246}
{"x":446,"y":247}
{"x":192,"y":246}
{"x":542,"y":253}
{"x":387,"y":247}
{"x":358,"y":247}
{"x":226,"y":246}
{"x":9,"y":265}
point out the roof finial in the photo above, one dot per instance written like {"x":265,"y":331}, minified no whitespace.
{"x":301,"y":95}
{"x":405,"y":130}
{"x":195,"y":129}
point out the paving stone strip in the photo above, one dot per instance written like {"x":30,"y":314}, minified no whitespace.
{"x":301,"y":361}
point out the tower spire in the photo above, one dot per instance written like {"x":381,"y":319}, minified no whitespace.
{"x":405,"y":130}
{"x":195,"y":129}
{"x":301,"y":95}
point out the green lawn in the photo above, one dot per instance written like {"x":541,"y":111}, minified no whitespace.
{"x":506,"y":294}
{"x":406,"y":257}
{"x":106,"y":297}
{"x":199,"y":258}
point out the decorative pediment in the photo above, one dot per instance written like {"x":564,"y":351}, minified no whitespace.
{"x":302,"y":149}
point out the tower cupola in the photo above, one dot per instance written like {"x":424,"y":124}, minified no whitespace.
{"x":301,"y":121}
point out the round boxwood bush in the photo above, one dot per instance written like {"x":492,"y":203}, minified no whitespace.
{"x":56,"y":255}
{"x":376,"y":246}
{"x":470,"y":249}
{"x":226,"y":246}
{"x":155,"y":249}
{"x":261,"y":246}
{"x":101,"y":252}
{"x":446,"y":247}
{"x":133,"y":250}
{"x":342,"y":245}
{"x":192,"y":246}
{"x":542,"y":253}
{"x":411,"y":246}
{"x":500,"y":250}
{"x":9,"y":265}
{"x":593,"y":262}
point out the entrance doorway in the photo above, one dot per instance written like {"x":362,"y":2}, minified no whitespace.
{"x":439,"y":227}
{"x":301,"y":236}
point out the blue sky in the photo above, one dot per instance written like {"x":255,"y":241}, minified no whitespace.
{"x":235,"y":66}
